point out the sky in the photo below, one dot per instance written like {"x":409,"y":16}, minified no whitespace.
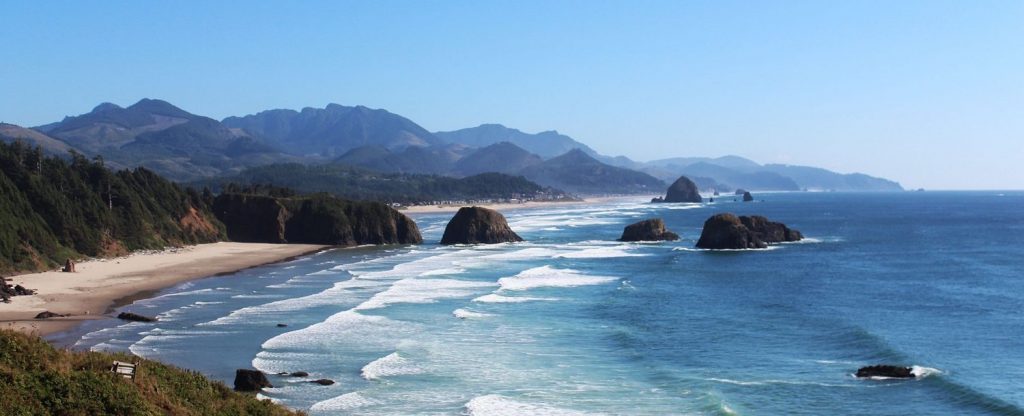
{"x":928,"y":93}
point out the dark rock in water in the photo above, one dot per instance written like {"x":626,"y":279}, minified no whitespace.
{"x":48,"y":314}
{"x":727,"y":231}
{"x":891,"y":371}
{"x":716,"y":192}
{"x":250,"y":380}
{"x":648,"y":230}
{"x":282,"y":325}
{"x":128,"y":316}
{"x":299,"y":374}
{"x":747,"y":197}
{"x":769,"y":231}
{"x":323,"y":382}
{"x":476,"y":225}
{"x":682,"y":190}
{"x":657,"y":199}
{"x":740,"y":192}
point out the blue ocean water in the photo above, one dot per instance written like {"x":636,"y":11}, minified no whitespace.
{"x":573,"y":322}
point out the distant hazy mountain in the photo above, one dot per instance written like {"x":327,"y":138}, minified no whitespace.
{"x":546,"y":144}
{"x":412,"y":159}
{"x":820,"y":179}
{"x":164,"y":138}
{"x":10,"y":133}
{"x":503,"y":157}
{"x":577,"y":172}
{"x":333,"y":130}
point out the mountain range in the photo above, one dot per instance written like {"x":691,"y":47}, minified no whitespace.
{"x":187,"y":147}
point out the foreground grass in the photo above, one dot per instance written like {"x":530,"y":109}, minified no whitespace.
{"x":36,"y":379}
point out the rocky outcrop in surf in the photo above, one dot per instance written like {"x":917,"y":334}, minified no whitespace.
{"x":682,"y":190}
{"x":134,"y":317}
{"x":885,"y":370}
{"x":316,"y":219}
{"x":250,"y":380}
{"x":7,"y":290}
{"x":727,"y":231}
{"x":648,"y":230}
{"x":477,"y":225}
{"x":747,"y":197}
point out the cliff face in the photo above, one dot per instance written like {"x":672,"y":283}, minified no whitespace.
{"x":317,"y":219}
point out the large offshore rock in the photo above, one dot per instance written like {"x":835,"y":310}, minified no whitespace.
{"x":250,"y":380}
{"x":770,"y":231}
{"x":682,"y":190}
{"x":727,"y":231}
{"x":478,"y":225}
{"x":648,"y":230}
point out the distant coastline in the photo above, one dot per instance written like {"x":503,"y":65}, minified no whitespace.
{"x":99,"y":285}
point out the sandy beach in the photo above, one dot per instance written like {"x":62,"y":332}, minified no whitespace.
{"x":436,"y":209}
{"x":98,"y":285}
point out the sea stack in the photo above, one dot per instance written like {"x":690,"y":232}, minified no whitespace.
{"x":648,"y":230}
{"x":477,"y":225}
{"x":682,"y":190}
{"x":727,"y":231}
{"x":747,"y":197}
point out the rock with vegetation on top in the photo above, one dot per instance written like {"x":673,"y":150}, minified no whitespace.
{"x":884,"y":370}
{"x":250,"y":380}
{"x":727,"y":231}
{"x":478,"y":225}
{"x":648,"y":230}
{"x":134,"y":317}
{"x":682,"y":190}
{"x":747,"y":197}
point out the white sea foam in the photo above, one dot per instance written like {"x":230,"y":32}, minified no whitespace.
{"x":441,"y":272}
{"x":524,"y":254}
{"x":468,"y":314}
{"x":922,"y":372}
{"x":420,"y":290}
{"x":602,"y":252}
{"x":347,"y":401}
{"x":372,"y":330}
{"x":769,"y":248}
{"x":497,"y":405}
{"x":496,"y":298}
{"x":388,"y":366}
{"x":547,"y":276}
{"x":332,"y":296}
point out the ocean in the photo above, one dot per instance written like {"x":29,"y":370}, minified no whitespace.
{"x":572,"y":322}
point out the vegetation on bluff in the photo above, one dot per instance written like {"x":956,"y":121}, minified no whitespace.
{"x":52,"y":209}
{"x":36,"y":379}
{"x":354,"y":183}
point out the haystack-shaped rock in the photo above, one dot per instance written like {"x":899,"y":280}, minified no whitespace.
{"x":682,"y":190}
{"x":476,"y":225}
{"x":747,"y":197}
{"x":727,"y":231}
{"x":648,"y":230}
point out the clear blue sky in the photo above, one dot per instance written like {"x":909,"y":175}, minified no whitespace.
{"x":928,"y":93}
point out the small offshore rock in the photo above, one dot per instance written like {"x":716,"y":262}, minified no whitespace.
{"x":128,"y":316}
{"x":885,"y":370}
{"x":299,"y":374}
{"x":747,"y":197}
{"x":648,"y":230}
{"x":323,"y":382}
{"x":250,"y":380}
{"x":282,"y":325}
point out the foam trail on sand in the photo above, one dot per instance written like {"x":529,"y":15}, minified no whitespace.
{"x":497,"y":405}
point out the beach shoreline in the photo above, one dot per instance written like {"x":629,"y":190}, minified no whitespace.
{"x":450,"y":208}
{"x":101,"y":285}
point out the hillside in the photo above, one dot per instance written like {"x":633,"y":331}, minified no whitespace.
{"x":413,"y":159}
{"x":333,"y":130}
{"x":546,"y":144}
{"x":577,"y":172}
{"x":353,"y":183}
{"x":731,"y":172}
{"x":503,"y":157}
{"x":36,"y":379}
{"x":52,"y":209}
{"x":164,"y":138}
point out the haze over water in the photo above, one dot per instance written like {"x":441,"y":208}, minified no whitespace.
{"x":573,"y":322}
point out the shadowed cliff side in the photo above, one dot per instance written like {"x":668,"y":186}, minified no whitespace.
{"x":314,"y":219}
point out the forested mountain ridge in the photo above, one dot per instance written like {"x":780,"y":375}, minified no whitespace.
{"x":52,"y":209}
